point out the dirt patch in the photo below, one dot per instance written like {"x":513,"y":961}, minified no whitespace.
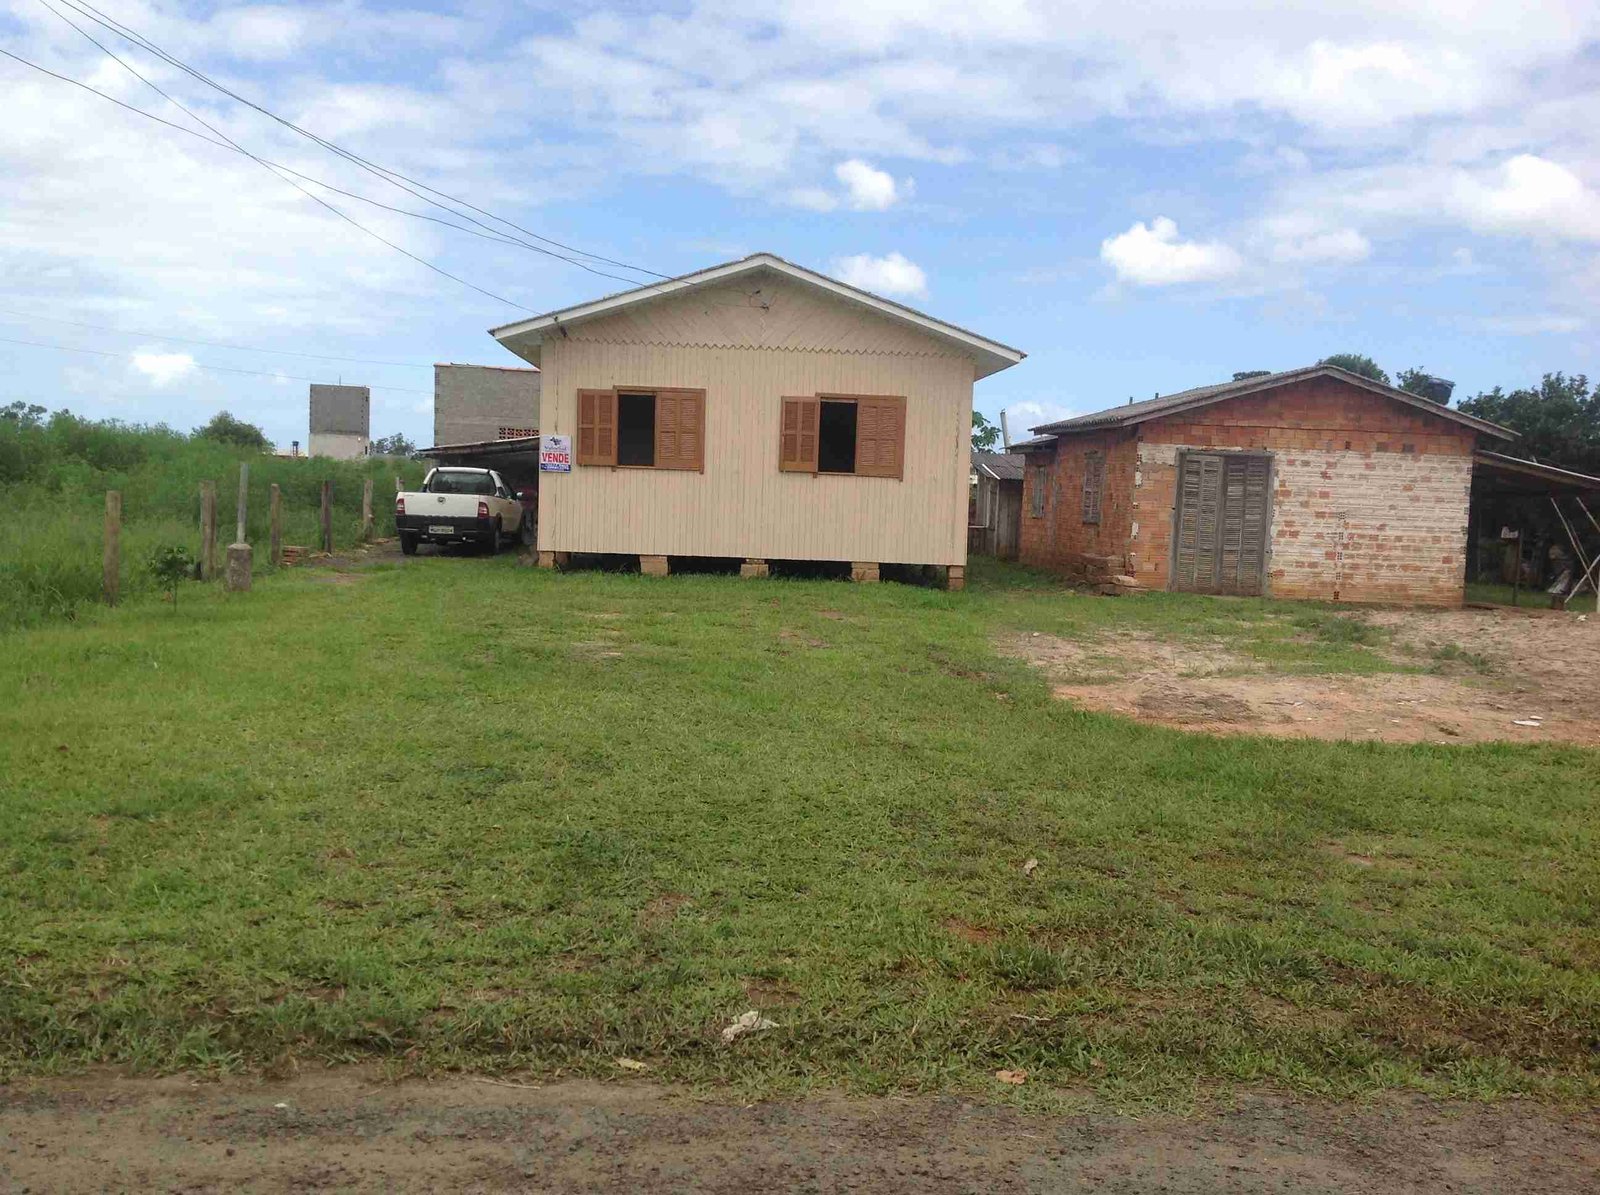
{"x":790,"y":635}
{"x":968,"y":932}
{"x":1492,"y":676}
{"x":349,"y":1130}
{"x":662,"y":908}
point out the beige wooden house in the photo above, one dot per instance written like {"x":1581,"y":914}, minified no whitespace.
{"x":760,"y":412}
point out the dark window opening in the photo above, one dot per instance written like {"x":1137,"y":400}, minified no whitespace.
{"x":836,"y":438}
{"x":636,"y":429}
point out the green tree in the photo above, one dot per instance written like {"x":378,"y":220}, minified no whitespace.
{"x":985,"y":435}
{"x":1356,"y":363}
{"x":1558,"y":421}
{"x":170,"y":564}
{"x":395,"y":445}
{"x":229,"y":430}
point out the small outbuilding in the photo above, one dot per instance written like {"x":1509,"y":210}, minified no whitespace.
{"x":994,"y":514}
{"x":1311,"y":483}
{"x":756,"y":412}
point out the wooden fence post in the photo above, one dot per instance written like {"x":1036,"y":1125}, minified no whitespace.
{"x":366,"y":511}
{"x":399,"y":484}
{"x":275,"y":540}
{"x":327,"y":516}
{"x":208,"y":530}
{"x":111,"y":561}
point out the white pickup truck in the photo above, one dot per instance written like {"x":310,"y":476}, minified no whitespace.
{"x":462,"y":506}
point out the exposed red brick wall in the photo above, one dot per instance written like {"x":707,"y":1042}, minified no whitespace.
{"x":1369,"y":496}
{"x":1060,"y":538}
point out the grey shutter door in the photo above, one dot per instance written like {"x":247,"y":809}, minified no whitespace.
{"x":1220,"y":543}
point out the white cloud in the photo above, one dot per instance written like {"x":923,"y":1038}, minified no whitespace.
{"x":814,"y":199}
{"x":1530,"y":194}
{"x":870,"y":189}
{"x":162,"y":369}
{"x":1023,"y":417}
{"x":1154,"y":256}
{"x":892,"y":274}
{"x":1303,"y":239}
{"x":1535,"y":325}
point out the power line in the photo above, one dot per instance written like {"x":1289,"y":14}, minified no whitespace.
{"x":199,"y":136}
{"x":343,"y":215}
{"x":255,"y":373}
{"x":393,"y":177}
{"x":214,"y":344}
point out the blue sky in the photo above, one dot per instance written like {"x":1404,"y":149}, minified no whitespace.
{"x":1142,"y":197}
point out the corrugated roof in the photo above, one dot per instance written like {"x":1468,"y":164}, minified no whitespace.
{"x":1002,"y":466}
{"x":1150,"y":408}
{"x":1516,"y":475}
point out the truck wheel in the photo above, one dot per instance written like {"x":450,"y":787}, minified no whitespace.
{"x":527,"y":532}
{"x":408,"y":543}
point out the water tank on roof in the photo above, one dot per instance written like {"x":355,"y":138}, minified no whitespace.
{"x":1438,"y":389}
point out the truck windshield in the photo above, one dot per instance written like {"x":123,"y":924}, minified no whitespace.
{"x":462,"y":482}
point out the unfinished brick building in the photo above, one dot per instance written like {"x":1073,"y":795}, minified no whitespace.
{"x":1313,"y":483}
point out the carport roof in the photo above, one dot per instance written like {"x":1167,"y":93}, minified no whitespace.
{"x":1513,"y":476}
{"x":511,"y":447}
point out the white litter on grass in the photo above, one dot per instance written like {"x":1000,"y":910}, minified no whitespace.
{"x":1030,"y":867}
{"x":632,"y":1064}
{"x":1534,"y":722}
{"x":747,"y":1022}
{"x":280,"y":1105}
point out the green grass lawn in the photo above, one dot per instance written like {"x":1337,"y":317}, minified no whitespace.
{"x":460,"y":813}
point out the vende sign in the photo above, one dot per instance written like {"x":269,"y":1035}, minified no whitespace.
{"x":555,"y":454}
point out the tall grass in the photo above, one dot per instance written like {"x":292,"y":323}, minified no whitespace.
{"x":54,"y":473}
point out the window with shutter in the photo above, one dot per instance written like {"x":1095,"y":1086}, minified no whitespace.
{"x":680,"y":429}
{"x":863,"y":434}
{"x":798,"y":435}
{"x":880,"y":437}
{"x":643,"y":428}
{"x":597,"y":427}
{"x":1094,"y":484}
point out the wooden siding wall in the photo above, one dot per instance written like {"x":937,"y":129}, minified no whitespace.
{"x":748,"y":347}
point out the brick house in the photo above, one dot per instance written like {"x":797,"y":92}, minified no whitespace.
{"x":1312,"y":483}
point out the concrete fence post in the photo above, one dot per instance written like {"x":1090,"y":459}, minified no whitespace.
{"x":275,"y":535}
{"x":244,"y":501}
{"x":111,"y":559}
{"x":240,"y":560}
{"x":327,"y":516}
{"x":208,"y":530}
{"x":366,"y":511}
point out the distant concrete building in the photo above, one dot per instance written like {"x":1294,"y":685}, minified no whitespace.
{"x":477,"y":403}
{"x":341,"y":421}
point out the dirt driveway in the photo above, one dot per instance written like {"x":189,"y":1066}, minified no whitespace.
{"x":346,"y":1130}
{"x":1476,"y":675}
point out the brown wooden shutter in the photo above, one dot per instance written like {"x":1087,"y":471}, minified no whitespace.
{"x":880,"y":436}
{"x":797,"y":440}
{"x":597,"y":427}
{"x":680,"y":429}
{"x":1094,"y":478}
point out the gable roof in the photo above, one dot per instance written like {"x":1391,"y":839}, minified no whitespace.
{"x":525,"y":336}
{"x":1150,"y":408}
{"x":1002,"y":466}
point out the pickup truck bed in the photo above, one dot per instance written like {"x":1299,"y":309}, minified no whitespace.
{"x":457,"y":505}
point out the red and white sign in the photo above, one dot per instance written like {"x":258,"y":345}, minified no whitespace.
{"x":555,"y":454}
